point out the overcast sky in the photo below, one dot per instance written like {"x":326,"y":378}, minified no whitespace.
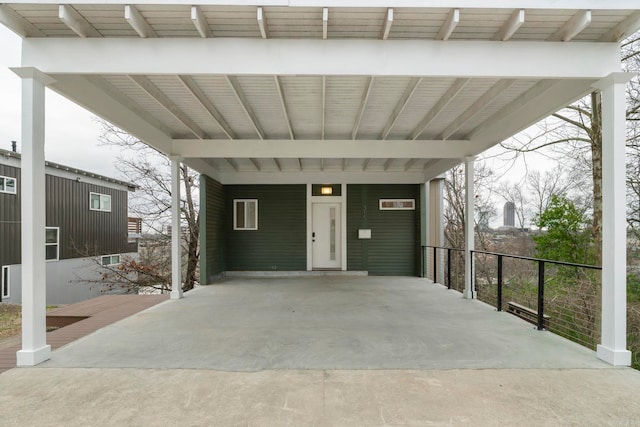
{"x":71,"y":132}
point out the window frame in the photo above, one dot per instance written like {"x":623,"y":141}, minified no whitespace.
{"x":5,"y":281}
{"x":383,"y":208}
{"x":3,"y":188}
{"x":235,"y":214}
{"x":102,"y":257}
{"x":57,"y":244}
{"x":100,"y":195}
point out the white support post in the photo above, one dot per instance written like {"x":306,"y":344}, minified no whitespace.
{"x":34,"y":292}
{"x":424,"y":226}
{"x":613,"y":347}
{"x":469,"y":285}
{"x":176,"y":252}
{"x":438,"y":221}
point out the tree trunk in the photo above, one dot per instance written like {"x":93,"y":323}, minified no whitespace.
{"x":193,"y":234}
{"x":192,"y":262}
{"x":596,"y":159}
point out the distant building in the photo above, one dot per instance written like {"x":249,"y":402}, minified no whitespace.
{"x":509,"y":214}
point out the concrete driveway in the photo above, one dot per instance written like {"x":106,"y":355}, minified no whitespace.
{"x":325,"y":351}
{"x":347,"y":322}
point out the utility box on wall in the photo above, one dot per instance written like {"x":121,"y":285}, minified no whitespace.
{"x":364,"y":233}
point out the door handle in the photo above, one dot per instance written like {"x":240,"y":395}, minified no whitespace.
{"x":313,"y":236}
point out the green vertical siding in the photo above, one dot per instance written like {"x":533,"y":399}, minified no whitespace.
{"x":395,"y":237}
{"x":212,"y":231}
{"x":356,"y":219}
{"x":280,"y":241}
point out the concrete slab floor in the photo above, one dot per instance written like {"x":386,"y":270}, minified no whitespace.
{"x":152,"y":397}
{"x":253,"y":324}
{"x":321,"y":352}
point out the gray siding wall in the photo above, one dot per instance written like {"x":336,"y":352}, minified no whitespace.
{"x":10,"y":220}
{"x":68,"y":281}
{"x":395,"y":235}
{"x":82,"y":231}
{"x":280,"y":241}
{"x":212,"y":229}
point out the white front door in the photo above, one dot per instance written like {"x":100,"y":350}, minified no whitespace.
{"x":326,"y":236}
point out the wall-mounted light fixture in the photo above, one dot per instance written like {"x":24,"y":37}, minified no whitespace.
{"x":326,"y":191}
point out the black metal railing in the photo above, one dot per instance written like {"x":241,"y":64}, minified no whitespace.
{"x":558,"y":296}
{"x":447,"y":266}
{"x":565,"y":295}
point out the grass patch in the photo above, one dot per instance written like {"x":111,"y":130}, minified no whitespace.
{"x":10,"y":320}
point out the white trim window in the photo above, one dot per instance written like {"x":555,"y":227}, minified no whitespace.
{"x":52,"y":243}
{"x":5,"y":281}
{"x":245,"y":214}
{"x":8,"y":184}
{"x":108,"y":260}
{"x":397,"y":204}
{"x":99,"y":202}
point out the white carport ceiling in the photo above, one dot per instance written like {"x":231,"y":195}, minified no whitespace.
{"x":380,"y":112}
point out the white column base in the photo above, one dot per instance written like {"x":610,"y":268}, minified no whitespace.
{"x":614,"y":357}
{"x":175,"y":294}
{"x":33,"y":357}
{"x":467,"y":294}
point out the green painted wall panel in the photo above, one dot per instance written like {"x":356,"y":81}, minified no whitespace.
{"x":280,"y":241}
{"x":395,"y":238}
{"x":356,"y":218}
{"x":212,"y":229}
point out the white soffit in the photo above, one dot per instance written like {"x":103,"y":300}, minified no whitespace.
{"x":426,"y":77}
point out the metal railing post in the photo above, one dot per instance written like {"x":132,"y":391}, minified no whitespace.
{"x":499,"y":302}
{"x":471,"y":281}
{"x":423,"y":261}
{"x":540,"y":295}
{"x":435,"y":280}
{"x":448,"y":268}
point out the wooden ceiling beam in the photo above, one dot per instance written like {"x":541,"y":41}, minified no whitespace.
{"x":154,"y":92}
{"x":138,"y":23}
{"x":207,"y":105}
{"x":200,"y":22}
{"x":442,"y":103}
{"x":76,"y":22}
{"x":244,"y":104}
{"x":572,"y":27}
{"x":510,"y":27}
{"x":449,"y":25}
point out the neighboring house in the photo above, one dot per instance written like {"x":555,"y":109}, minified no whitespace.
{"x":86,"y":217}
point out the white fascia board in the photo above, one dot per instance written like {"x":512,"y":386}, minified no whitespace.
{"x":349,"y":149}
{"x":322,"y":57}
{"x":96,"y":99}
{"x":468,"y":4}
{"x":237,"y":178}
{"x":473,"y":4}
